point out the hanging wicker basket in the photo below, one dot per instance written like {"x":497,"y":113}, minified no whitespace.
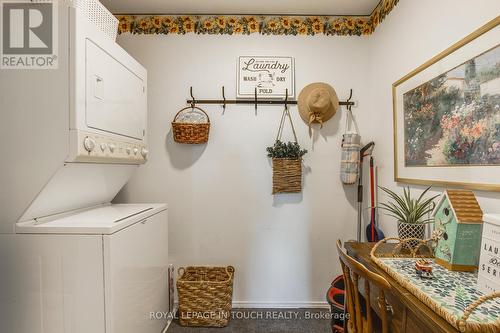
{"x":205,"y":295}
{"x":287,"y":175}
{"x":287,"y":171}
{"x":190,"y":133}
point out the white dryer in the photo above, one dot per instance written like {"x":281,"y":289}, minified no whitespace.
{"x":74,"y":134}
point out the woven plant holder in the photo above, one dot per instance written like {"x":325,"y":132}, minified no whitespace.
{"x":411,"y":248}
{"x":287,"y":172}
{"x":190,"y":133}
{"x":287,"y":175}
{"x":205,"y":295}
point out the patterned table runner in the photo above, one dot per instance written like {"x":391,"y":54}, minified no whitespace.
{"x":447,"y":290}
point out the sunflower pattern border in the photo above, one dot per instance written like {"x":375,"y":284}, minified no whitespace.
{"x":250,"y":24}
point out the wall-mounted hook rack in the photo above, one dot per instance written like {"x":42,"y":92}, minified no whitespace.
{"x":254,"y":101}
{"x":349,"y":106}
{"x":286,"y":98}
{"x":255,"y":92}
{"x":223,"y":99}
{"x":193,"y":100}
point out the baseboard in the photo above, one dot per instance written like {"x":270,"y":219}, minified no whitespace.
{"x":276,"y":305}
{"x":280,"y":305}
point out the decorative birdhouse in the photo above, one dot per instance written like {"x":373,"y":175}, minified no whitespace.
{"x":458,"y":224}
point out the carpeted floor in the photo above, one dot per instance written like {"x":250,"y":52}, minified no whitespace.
{"x":268,"y":321}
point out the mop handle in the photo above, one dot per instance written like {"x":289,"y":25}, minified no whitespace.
{"x":372,"y":197}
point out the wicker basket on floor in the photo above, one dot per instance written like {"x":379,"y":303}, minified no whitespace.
{"x":287,"y":175}
{"x":191,"y":133}
{"x":205,"y":295}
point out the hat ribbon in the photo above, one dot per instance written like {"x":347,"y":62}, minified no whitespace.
{"x":318,"y":118}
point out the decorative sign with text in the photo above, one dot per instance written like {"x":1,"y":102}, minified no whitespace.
{"x":270,"y":75}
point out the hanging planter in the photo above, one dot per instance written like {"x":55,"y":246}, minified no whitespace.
{"x":287,"y":161}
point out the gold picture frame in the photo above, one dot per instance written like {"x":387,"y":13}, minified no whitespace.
{"x":398,"y":177}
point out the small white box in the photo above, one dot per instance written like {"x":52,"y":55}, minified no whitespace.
{"x":486,"y":286}
{"x":489,"y":263}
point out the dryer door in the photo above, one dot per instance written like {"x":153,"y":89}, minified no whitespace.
{"x":115,"y":96}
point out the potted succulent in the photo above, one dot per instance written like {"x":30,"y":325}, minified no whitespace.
{"x":411,"y":214}
{"x":287,"y":166}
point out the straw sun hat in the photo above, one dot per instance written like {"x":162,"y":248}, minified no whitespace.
{"x":317,"y":103}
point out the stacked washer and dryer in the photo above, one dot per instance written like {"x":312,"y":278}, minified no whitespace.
{"x":70,"y":261}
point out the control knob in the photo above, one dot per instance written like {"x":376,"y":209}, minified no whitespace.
{"x":103,"y":146}
{"x":111,"y":147}
{"x":128,"y":150}
{"x":88,"y":144}
{"x":144,"y":152}
{"x":136,"y":151}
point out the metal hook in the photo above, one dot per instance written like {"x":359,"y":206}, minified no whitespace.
{"x":192,"y":97}
{"x":255,"y":92}
{"x":349,"y":106}
{"x":286,"y":98}
{"x":224,"y":99}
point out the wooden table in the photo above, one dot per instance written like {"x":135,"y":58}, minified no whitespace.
{"x":409,"y":313}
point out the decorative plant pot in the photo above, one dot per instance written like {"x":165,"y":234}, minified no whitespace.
{"x":287,"y":175}
{"x":411,"y":230}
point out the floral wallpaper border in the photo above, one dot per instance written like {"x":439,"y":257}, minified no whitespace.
{"x":265,"y":25}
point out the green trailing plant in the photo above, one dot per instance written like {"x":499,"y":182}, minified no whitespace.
{"x":285,"y":150}
{"x":406,"y":209}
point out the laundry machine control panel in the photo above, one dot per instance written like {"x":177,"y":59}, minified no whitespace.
{"x":96,"y":148}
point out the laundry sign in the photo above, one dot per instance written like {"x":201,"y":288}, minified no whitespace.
{"x":271,"y":76}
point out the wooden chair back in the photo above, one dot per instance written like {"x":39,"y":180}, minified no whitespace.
{"x":354,"y":271}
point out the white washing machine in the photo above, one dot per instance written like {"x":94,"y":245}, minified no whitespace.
{"x":97,"y":270}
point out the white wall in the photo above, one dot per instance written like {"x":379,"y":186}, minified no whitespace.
{"x":414,"y":32}
{"x":220,"y":207}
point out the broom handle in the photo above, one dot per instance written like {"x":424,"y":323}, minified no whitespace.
{"x":372,"y":199}
{"x":360,"y":197}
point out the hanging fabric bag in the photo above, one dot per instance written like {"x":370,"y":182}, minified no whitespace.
{"x":349,"y":165}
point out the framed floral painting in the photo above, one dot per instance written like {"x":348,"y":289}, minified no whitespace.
{"x":447,"y":116}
